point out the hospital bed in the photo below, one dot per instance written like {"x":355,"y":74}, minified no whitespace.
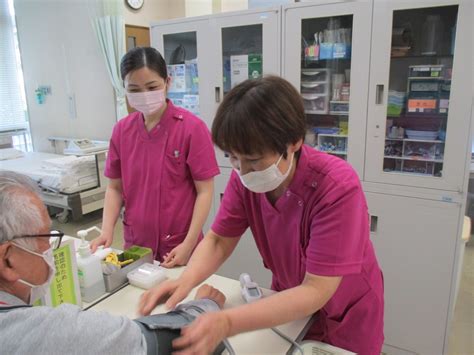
{"x":80,"y":191}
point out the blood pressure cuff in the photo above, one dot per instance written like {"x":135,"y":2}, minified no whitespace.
{"x":160,"y":330}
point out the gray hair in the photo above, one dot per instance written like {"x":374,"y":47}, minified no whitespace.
{"x":18,"y":215}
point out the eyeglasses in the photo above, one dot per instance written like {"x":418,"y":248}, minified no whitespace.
{"x":53,"y":234}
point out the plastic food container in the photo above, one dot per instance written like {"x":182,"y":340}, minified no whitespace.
{"x":146,"y":276}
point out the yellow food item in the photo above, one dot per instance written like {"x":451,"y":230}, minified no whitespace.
{"x":113,"y":259}
{"x":125,"y":262}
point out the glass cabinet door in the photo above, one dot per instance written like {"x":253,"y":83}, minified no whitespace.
{"x":242,"y":54}
{"x":420,"y":94}
{"x":180,"y":53}
{"x":325,"y":83}
{"x":326,"y":56}
{"x":419,"y":89}
{"x":247,"y":48}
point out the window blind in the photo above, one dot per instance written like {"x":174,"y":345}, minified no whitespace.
{"x":13,"y":111}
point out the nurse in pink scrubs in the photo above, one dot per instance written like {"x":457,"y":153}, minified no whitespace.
{"x":309,"y":218}
{"x":161,"y":165}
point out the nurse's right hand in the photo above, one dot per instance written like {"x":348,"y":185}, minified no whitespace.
{"x":105,"y":240}
{"x":171,"y":291}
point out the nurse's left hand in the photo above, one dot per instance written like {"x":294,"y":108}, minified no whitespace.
{"x":203,"y":335}
{"x":178,"y":256}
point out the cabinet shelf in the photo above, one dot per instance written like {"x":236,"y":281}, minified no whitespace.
{"x":326,"y":113}
{"x":332,"y":135}
{"x":403,"y":173}
{"x":414,"y":140}
{"x":417,"y":116}
{"x":422,"y":56}
{"x":336,"y":113}
{"x":313,"y":60}
{"x":414,"y":159}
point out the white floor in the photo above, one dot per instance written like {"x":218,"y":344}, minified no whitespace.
{"x":461,"y":338}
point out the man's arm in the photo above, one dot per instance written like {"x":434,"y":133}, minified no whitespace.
{"x":160,"y":330}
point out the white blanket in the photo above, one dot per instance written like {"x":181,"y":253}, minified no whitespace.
{"x":66,"y":174}
{"x":10,"y":153}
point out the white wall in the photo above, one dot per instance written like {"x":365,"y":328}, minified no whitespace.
{"x":44,"y":27}
{"x":234,"y":5}
{"x":207,"y":7}
{"x":257,"y":4}
{"x":198,"y":7}
{"x":154,"y":10}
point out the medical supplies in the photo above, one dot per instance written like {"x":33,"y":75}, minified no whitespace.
{"x":89,"y":269}
{"x":249,"y":289}
{"x":429,"y":87}
{"x":147,"y":276}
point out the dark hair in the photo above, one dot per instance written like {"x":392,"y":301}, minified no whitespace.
{"x":258,"y":116}
{"x":140,"y":57}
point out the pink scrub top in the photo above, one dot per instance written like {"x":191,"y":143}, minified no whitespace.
{"x":320,"y":225}
{"x":158,"y":169}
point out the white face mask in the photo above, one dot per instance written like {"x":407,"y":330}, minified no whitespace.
{"x":38,"y":291}
{"x":147,"y":102}
{"x":266,"y":180}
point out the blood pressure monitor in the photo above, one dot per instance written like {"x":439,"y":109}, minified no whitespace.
{"x":249,"y":289}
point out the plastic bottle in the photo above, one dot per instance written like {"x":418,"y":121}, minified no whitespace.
{"x":89,"y":269}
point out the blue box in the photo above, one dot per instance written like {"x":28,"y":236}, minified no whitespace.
{"x":325,"y":50}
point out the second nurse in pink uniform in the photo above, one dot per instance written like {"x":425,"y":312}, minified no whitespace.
{"x":309,"y":218}
{"x":161,"y":164}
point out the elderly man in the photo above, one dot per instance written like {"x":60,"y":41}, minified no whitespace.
{"x":26,"y":269}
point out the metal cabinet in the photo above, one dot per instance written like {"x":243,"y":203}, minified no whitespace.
{"x":416,"y":166}
{"x":209,"y":55}
{"x":415,"y":240}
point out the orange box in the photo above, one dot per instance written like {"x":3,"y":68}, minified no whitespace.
{"x":422,"y":104}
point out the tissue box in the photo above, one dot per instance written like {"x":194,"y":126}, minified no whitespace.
{"x":118,"y":278}
{"x":146,"y":276}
